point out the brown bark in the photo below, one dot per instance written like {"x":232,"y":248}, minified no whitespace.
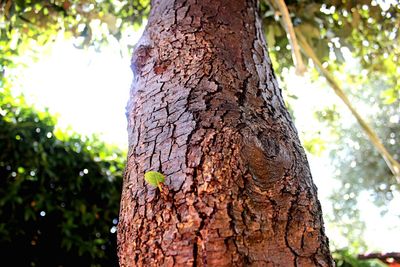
{"x":205,"y":110}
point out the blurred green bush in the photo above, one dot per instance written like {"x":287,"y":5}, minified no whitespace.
{"x":59,"y":193}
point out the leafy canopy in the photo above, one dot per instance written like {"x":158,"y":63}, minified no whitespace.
{"x":27,"y":25}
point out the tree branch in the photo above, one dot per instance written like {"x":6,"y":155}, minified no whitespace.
{"x":288,"y":26}
{"x":392,"y":257}
{"x":393,"y":165}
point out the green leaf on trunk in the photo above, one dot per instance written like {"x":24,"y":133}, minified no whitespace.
{"x":154,"y":179}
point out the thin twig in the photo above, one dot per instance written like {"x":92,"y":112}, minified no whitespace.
{"x":393,"y":165}
{"x":288,"y":26}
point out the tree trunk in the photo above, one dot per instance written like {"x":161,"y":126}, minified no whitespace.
{"x":205,"y":110}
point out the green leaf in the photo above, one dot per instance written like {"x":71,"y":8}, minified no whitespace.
{"x":270,"y":36}
{"x":154,"y":179}
{"x":389,"y":96}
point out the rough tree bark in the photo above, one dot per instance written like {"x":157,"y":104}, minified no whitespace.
{"x":205,"y":110}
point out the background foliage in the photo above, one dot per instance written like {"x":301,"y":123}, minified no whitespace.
{"x":59,"y":194}
{"x":27,"y":25}
{"x":358,"y":42}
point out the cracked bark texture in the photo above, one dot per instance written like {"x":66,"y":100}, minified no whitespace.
{"x":205,"y":110}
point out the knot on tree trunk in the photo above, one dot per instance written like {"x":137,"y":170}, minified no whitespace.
{"x":267,"y":158}
{"x":140,"y":58}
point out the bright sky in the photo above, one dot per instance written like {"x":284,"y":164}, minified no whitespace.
{"x":89,"y":91}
